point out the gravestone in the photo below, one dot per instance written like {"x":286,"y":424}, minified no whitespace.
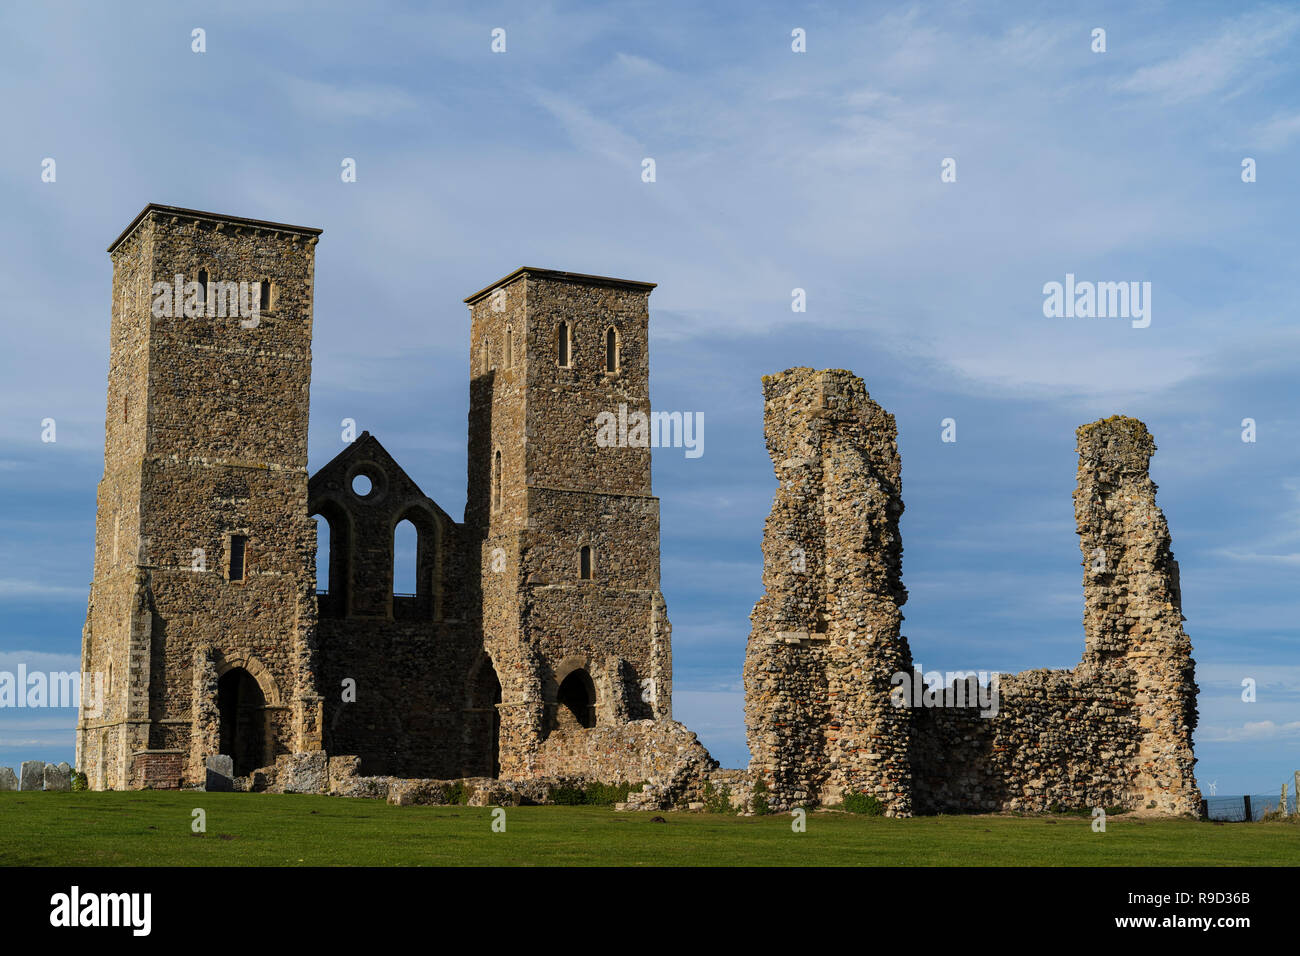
{"x":221,"y":774}
{"x":31,"y":774}
{"x":58,"y":778}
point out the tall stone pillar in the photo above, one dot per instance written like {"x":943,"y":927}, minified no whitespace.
{"x":825,"y":635}
{"x":1133,"y":606}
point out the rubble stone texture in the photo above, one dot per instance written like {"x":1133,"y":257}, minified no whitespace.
{"x":205,"y":450}
{"x":825,"y":638}
{"x":536,"y":640}
{"x":1114,"y":731}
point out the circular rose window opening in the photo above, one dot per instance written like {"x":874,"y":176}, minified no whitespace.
{"x":362,"y":486}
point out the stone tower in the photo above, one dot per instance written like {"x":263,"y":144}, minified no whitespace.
{"x":565,"y":528}
{"x":202,"y":612}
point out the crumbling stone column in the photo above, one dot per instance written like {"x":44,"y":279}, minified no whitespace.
{"x":825,"y":638}
{"x":1133,"y":606}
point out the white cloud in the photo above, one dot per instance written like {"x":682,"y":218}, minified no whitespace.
{"x":365,"y":101}
{"x":1251,"y":730}
{"x":42,"y":661}
{"x":1278,"y":132}
{"x":1214,"y":65}
{"x":10,"y":587}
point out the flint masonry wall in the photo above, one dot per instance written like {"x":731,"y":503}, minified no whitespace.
{"x":825,"y":637}
{"x":1114,"y":731}
{"x":398,"y":672}
{"x":206,"y":440}
{"x":568,"y":650}
{"x":507,"y":646}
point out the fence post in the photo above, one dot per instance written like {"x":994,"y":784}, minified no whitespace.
{"x":1246,"y":800}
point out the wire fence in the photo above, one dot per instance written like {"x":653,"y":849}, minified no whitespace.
{"x":1244,"y":808}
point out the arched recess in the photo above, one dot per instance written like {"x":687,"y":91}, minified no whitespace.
{"x":265,"y":679}
{"x":575,"y":698}
{"x":426,"y":602}
{"x":245,"y":689}
{"x":333,"y":600}
{"x":483,"y":721}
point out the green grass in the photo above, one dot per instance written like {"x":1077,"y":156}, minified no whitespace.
{"x":153,"y":828}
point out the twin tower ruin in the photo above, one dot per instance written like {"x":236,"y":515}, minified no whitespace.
{"x":537,"y":618}
{"x":536,"y":643}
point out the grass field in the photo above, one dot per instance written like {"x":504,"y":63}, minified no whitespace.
{"x":154,"y":828}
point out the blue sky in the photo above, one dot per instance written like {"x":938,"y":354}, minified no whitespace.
{"x":775,"y":170}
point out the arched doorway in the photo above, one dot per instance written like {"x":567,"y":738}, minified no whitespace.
{"x":576,"y":701}
{"x":242,"y":708}
{"x":485,"y":695}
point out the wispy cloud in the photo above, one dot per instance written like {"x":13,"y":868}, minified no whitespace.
{"x":1255,"y":730}
{"x":324,"y":100}
{"x":1215,"y":65}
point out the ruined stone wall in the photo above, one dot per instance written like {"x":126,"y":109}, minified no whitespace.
{"x":396,"y":670}
{"x":1133,"y":621}
{"x":1114,"y":731}
{"x":662,"y":753}
{"x":825,"y":638}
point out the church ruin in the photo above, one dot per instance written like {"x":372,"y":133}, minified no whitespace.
{"x":537,"y":627}
{"x":826,"y":655}
{"x":534,"y":644}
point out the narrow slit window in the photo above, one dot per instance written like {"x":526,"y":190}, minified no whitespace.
{"x":584,"y":562}
{"x":238,"y":551}
{"x":611,"y":350}
{"x":265,"y":301}
{"x":496,"y":481}
{"x":562,"y":343}
{"x":203,"y":286}
{"x":510,"y":347}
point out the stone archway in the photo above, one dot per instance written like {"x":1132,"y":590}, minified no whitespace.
{"x":485,"y":721}
{"x":575,"y":701}
{"x":241,"y":708}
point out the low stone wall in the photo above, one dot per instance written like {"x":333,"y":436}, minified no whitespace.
{"x":1059,"y":740}
{"x":661,"y":753}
